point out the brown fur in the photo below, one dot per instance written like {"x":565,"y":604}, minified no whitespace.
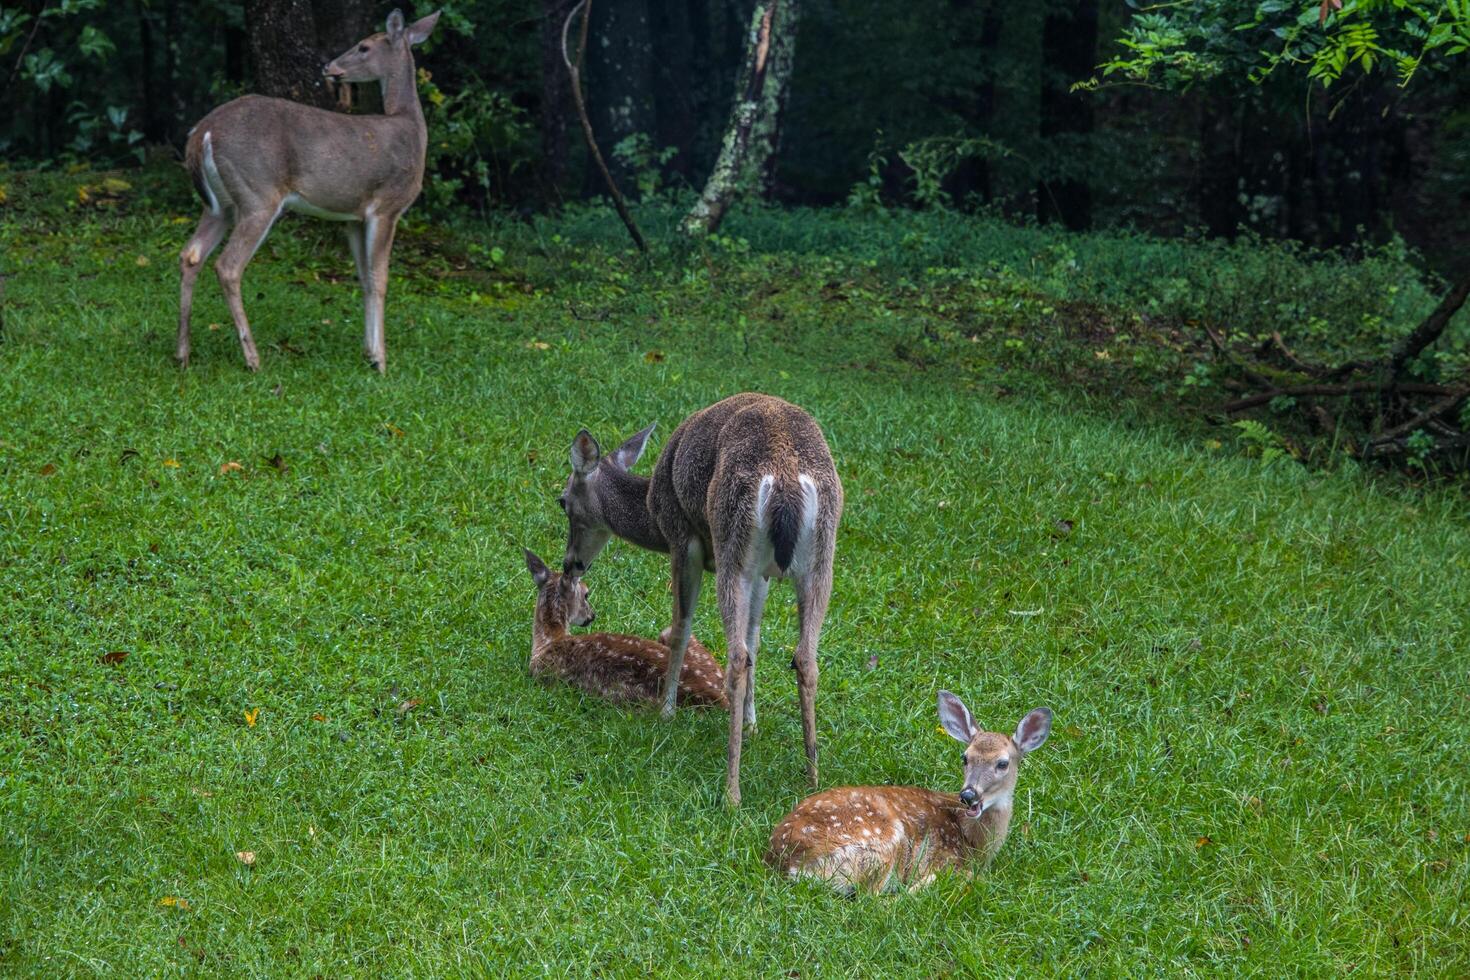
{"x":701,"y":507}
{"x":623,"y":669}
{"x":270,"y":154}
{"x":872,"y":838}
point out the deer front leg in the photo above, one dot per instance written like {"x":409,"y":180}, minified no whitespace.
{"x":378,"y":240}
{"x":688,"y":568}
{"x":206,"y":237}
{"x":734,"y":586}
{"x":248,"y":235}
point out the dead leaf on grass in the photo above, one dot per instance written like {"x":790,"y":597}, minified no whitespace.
{"x":250,"y":715}
{"x":654,"y":357}
{"x":233,"y":466}
{"x":47,"y":470}
{"x":174,"y":902}
{"x":407,"y":706}
{"x":115,"y":657}
{"x":171,"y":463}
{"x":1203,"y":841}
{"x":246,"y":858}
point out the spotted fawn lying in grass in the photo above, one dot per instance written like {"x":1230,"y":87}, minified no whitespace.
{"x":622,"y":669}
{"x":880,"y":837}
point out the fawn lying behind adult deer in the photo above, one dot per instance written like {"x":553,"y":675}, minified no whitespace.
{"x":879,"y":837}
{"x":620,"y":668}
{"x":254,"y":157}
{"x":745,"y":488}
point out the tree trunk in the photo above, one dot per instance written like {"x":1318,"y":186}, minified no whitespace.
{"x":556,"y":100}
{"x":755,"y":117}
{"x":619,"y":80}
{"x":765,"y":138}
{"x":1068,"y":55}
{"x":284,"y":51}
{"x":673,"y":90}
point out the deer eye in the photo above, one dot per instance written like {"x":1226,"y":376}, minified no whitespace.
{"x":1003,"y":764}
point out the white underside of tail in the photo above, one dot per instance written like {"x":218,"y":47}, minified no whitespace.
{"x":214,"y":188}
{"x":764,"y":549}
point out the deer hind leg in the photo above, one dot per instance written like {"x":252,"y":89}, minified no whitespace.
{"x":688,"y":568}
{"x":378,"y":241}
{"x":813,"y":591}
{"x":249,"y":232}
{"x":759,"y":587}
{"x":733,"y":586}
{"x":212,"y":227}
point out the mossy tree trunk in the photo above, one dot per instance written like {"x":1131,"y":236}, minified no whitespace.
{"x":751,"y":137}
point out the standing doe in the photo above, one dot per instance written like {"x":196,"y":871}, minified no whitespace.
{"x":623,"y":669}
{"x":745,"y":488}
{"x":877,"y":837}
{"x":255,"y":157}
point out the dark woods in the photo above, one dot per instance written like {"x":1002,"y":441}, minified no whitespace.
{"x":960,"y":103}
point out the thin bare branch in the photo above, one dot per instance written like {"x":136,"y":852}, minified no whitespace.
{"x":575,"y":71}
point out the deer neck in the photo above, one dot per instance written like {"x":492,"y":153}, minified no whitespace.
{"x":547,"y":628}
{"x":624,"y":499}
{"x":401,"y":93}
{"x":987,"y":832}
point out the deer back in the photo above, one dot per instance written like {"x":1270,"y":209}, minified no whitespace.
{"x":709,"y":475}
{"x":629,"y":669}
{"x":874,"y":837}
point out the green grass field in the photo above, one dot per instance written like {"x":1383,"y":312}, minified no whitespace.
{"x":1258,"y":670}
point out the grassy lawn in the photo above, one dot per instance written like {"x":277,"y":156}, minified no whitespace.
{"x":1258,"y":670}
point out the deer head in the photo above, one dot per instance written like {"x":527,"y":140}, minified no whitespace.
{"x":991,"y":759}
{"x":588,"y":524}
{"x":380,"y":55}
{"x":560,"y":599}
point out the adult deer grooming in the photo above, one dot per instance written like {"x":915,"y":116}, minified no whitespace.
{"x":255,"y":157}
{"x":745,"y":488}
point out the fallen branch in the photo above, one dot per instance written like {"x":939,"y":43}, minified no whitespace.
{"x":1347,"y":388}
{"x":1445,"y":404}
{"x":1428,"y":331}
{"x":575,"y":71}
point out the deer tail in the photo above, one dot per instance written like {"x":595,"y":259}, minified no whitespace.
{"x":789,"y":507}
{"x":194,"y":163}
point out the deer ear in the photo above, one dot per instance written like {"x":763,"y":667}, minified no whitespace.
{"x":419,"y":30}
{"x":1033,"y":729}
{"x":627,"y":454}
{"x":586,"y":453}
{"x":955,"y":718}
{"x":395,"y":25}
{"x":539,"y":572}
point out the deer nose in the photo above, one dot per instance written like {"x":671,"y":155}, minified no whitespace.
{"x":969,"y":797}
{"x":591,"y":618}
